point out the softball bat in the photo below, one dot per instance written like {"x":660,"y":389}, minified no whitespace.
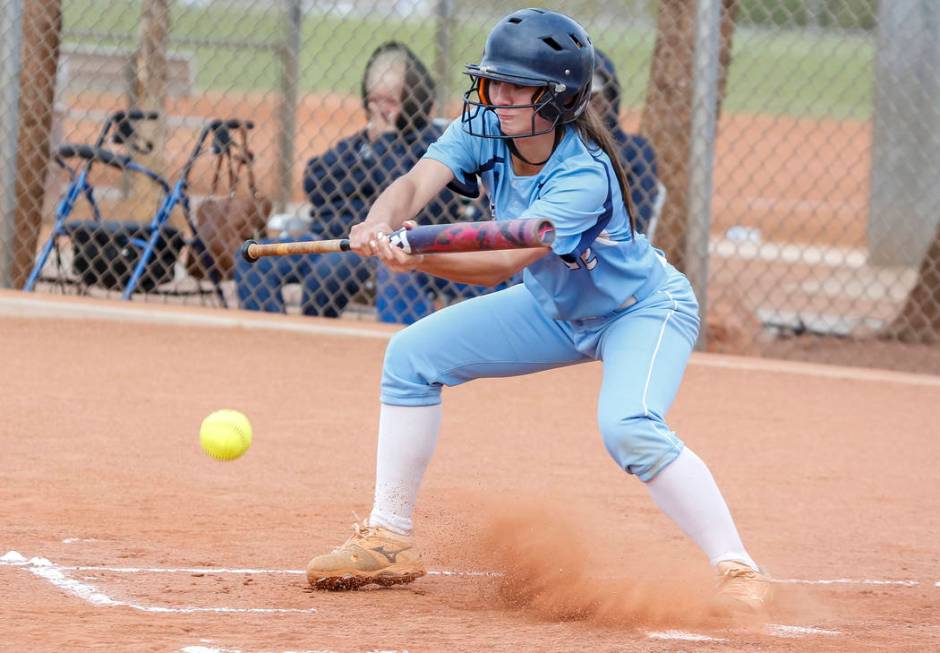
{"x":425,"y":239}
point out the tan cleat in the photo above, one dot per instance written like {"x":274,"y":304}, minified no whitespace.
{"x":741,"y":590}
{"x":372,"y":555}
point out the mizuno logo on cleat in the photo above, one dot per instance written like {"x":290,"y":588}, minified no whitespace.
{"x":391,"y":556}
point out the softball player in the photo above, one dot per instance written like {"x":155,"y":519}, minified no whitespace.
{"x":600,"y":293}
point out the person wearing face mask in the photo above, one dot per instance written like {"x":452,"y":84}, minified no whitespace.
{"x":341,"y":184}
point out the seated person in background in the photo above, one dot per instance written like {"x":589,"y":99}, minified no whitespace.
{"x":637,"y":154}
{"x":398,"y":97}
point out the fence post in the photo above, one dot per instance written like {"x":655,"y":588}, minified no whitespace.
{"x":702,"y":149}
{"x":11,"y":15}
{"x":290,"y":67}
{"x":444,"y":17}
{"x":149,"y":94}
{"x":905,"y":156}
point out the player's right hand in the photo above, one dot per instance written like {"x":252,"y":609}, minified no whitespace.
{"x":395,"y":258}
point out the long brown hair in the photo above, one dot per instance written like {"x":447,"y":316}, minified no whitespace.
{"x":592,"y":130}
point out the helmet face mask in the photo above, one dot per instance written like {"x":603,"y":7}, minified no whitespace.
{"x":477,"y":101}
{"x":535,"y":48}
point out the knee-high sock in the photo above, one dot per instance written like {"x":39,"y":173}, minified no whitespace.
{"x":686,"y":491}
{"x":407,"y":437}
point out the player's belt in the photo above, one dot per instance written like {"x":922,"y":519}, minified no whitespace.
{"x":631,"y":300}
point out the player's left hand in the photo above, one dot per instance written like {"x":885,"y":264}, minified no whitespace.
{"x":395,"y":258}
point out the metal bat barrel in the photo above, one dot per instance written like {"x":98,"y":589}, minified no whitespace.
{"x":476,"y":236}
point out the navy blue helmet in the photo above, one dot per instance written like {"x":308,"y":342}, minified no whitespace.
{"x":540,"y":48}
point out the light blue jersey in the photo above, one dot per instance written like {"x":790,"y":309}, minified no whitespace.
{"x":599,"y":267}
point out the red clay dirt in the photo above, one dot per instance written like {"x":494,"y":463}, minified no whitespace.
{"x":830,"y":472}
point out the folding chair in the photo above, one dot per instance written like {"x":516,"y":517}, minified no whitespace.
{"x":221,"y":224}
{"x":206,"y":257}
{"x":112,"y":254}
{"x":223,"y":147}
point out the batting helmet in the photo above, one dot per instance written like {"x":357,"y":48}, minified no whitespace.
{"x":540,"y":48}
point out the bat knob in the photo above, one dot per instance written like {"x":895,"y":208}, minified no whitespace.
{"x":246,"y":254}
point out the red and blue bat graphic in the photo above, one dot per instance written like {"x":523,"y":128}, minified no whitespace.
{"x":424,"y":239}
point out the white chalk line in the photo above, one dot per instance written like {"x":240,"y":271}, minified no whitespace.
{"x":208,"y":571}
{"x":683,"y":636}
{"x":774,"y":630}
{"x":55,"y":574}
{"x":26,"y":305}
{"x":779,"y":630}
{"x":847,"y":581}
{"x":45,"y":569}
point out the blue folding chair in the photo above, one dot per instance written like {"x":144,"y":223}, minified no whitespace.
{"x":129,"y":255}
{"x":113,"y":254}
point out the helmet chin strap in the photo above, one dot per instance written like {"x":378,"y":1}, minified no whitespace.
{"x":516,"y":153}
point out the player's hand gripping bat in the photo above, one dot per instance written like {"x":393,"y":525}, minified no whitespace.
{"x":424,"y":239}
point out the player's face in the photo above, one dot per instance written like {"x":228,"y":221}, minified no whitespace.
{"x":515,"y":121}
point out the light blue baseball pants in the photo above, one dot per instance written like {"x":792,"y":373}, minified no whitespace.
{"x":644,"y":350}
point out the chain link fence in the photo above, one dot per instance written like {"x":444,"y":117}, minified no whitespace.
{"x":782,"y":154}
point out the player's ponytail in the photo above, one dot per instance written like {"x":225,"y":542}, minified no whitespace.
{"x":593,"y":131}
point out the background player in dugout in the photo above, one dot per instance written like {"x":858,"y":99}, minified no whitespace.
{"x":601,"y":292}
{"x":341,"y":184}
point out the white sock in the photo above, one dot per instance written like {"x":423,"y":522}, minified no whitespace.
{"x":688,"y":494}
{"x":407,"y":437}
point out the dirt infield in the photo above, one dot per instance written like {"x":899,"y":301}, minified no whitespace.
{"x":120,"y":534}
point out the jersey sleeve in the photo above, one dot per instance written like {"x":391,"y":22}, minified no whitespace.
{"x":579,"y":201}
{"x":460,"y":152}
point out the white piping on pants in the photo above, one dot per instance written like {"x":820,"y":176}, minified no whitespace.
{"x":659,"y":341}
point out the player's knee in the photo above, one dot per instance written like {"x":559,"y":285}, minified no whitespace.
{"x":405,"y":374}
{"x":622,"y":435}
{"x":640,"y":444}
{"x":400,"y":356}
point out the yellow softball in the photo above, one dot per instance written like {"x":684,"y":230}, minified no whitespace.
{"x":225,"y":434}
